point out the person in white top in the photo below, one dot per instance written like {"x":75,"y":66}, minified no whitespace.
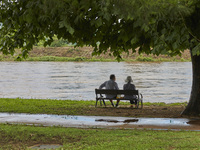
{"x":111,"y":84}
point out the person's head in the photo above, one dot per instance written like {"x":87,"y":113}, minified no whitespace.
{"x":129,"y":79}
{"x":112,"y":77}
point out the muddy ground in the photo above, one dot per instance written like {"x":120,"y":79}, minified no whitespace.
{"x":126,"y":111}
{"x":148,"y":112}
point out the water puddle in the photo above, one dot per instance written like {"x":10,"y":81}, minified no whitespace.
{"x":94,"y":121}
{"x":45,"y":146}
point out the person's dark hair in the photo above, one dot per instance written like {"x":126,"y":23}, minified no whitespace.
{"x":112,"y":76}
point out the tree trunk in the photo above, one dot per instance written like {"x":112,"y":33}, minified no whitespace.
{"x":193,"y":107}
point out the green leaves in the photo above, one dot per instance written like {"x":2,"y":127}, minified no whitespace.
{"x":156,"y":26}
{"x":68,"y":27}
{"x":27,"y":17}
{"x":196,"y":50}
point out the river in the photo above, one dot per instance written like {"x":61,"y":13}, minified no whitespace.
{"x":158,"y":82}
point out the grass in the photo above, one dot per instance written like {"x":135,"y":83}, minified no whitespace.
{"x":93,"y":59}
{"x":67,"y":59}
{"x":69,"y":107}
{"x":142,"y":58}
{"x":38,"y":106}
{"x":21,"y":137}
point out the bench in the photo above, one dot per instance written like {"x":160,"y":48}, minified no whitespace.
{"x":100,"y":92}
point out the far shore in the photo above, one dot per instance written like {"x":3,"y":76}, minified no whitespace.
{"x":84,"y":54}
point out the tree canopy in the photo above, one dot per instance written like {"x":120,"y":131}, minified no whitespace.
{"x":153,"y":26}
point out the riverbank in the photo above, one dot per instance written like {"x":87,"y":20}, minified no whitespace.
{"x":70,"y":53}
{"x":87,"y":108}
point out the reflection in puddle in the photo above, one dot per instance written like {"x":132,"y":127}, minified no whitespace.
{"x":130,"y":120}
{"x":107,"y":120}
{"x":194,"y":122}
{"x":116,"y":121}
{"x":152,"y":121}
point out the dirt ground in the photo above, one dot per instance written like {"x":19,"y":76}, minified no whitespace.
{"x":147,"y":111}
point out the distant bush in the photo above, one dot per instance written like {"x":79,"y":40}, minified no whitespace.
{"x":56,"y":43}
{"x":59,"y":43}
{"x":142,"y":58}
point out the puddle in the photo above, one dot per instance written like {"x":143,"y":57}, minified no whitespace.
{"x":116,"y":121}
{"x":46,"y":146}
{"x":93,"y":121}
{"x":154,"y":121}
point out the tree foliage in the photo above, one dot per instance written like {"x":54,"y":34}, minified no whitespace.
{"x":153,"y":26}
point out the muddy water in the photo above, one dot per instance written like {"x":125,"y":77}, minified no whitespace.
{"x":159,"y":82}
{"x":76,"y":121}
{"x":100,"y":121}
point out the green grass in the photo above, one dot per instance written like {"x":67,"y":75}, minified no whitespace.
{"x":21,"y":137}
{"x":56,"y":59}
{"x":145,"y":59}
{"x":38,"y":106}
{"x":67,"y":59}
{"x":142,"y":58}
{"x":93,"y":59}
{"x":69,"y":107}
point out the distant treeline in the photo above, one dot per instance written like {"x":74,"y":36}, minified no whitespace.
{"x":56,"y":43}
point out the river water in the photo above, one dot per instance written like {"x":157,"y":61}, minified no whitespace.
{"x":158,"y":82}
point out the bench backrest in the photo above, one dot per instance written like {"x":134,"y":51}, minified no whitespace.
{"x":115,"y":92}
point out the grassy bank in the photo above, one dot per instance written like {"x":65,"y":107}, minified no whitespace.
{"x":38,"y":106}
{"x":21,"y":137}
{"x":69,"y":107}
{"x":92,"y":59}
{"x":68,"y":59}
{"x":78,"y":54}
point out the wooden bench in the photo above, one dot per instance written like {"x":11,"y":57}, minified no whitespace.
{"x":100,"y":92}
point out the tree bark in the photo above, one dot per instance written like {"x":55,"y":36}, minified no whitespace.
{"x":193,"y":107}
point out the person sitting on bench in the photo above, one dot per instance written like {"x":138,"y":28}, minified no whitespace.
{"x":130,"y":86}
{"x":111,"y":84}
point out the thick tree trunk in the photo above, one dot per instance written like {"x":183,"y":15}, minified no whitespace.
{"x":193,"y":107}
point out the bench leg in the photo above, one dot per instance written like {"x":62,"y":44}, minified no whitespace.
{"x":100,"y":102}
{"x":96,"y":103}
{"x":141,"y":103}
{"x":104,"y":103}
{"x":141,"y":100}
{"x":137,"y":104}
